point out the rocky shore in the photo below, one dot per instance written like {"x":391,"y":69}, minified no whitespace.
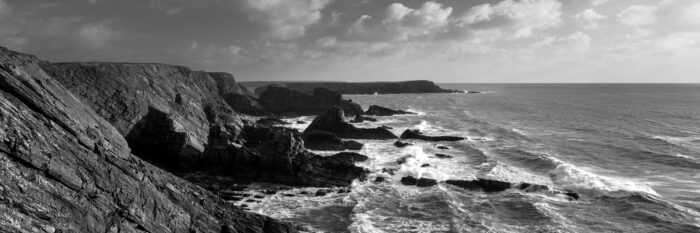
{"x":363,"y":88}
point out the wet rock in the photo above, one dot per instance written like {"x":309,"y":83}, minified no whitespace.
{"x":572,"y":195}
{"x":443,"y":156}
{"x":375,"y":110}
{"x":288,"y":195}
{"x":389,"y":171}
{"x":379,"y":179}
{"x":304,"y":192}
{"x":349,"y":157}
{"x":333,"y":121}
{"x":443,"y":147}
{"x":301,"y":122}
{"x":286,"y":102}
{"x":251,"y":200}
{"x":259,"y":196}
{"x":425,"y":165}
{"x":481,"y":184}
{"x":320,"y":193}
{"x":361,"y":119}
{"x":422,"y":182}
{"x":321,"y":140}
{"x":65,"y":168}
{"x":269,"y":192}
{"x":401,"y":144}
{"x":416,"y":134}
{"x":403,"y":159}
{"x":271,"y":121}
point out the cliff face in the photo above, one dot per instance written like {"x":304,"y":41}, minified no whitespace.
{"x":287,"y":102}
{"x":367,"y":88}
{"x":66,"y":169}
{"x":237,"y":96}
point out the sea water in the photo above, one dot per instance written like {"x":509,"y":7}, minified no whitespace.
{"x":632,"y":151}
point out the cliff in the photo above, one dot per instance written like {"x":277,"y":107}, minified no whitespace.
{"x":287,"y":102}
{"x":367,"y":88}
{"x":67,"y":169}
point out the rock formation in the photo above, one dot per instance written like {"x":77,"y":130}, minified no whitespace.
{"x":366,"y":88}
{"x":361,"y":118}
{"x":236,"y":95}
{"x":176,"y":118}
{"x":322,"y":140}
{"x":333,"y":121}
{"x":375,"y":110}
{"x":286,"y":102}
{"x":66,"y":169}
{"x":416,"y":134}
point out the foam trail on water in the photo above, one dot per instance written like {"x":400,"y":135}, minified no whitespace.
{"x":574,"y":178}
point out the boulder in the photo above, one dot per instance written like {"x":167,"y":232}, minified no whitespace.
{"x":287,"y":102}
{"x":375,"y":110}
{"x":443,"y":156}
{"x":65,"y":168}
{"x":443,"y":147}
{"x":401,"y":144}
{"x":333,"y":121}
{"x":360,"y":119}
{"x":416,"y":134}
{"x":481,"y":184}
{"x":422,"y":182}
{"x":349,"y":157}
{"x":322,"y":140}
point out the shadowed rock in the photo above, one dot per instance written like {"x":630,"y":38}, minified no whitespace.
{"x":416,"y":134}
{"x":287,"y":102}
{"x":422,"y":182}
{"x":401,"y":144}
{"x":271,"y":121}
{"x":66,"y":169}
{"x":333,"y":121}
{"x":375,"y":110}
{"x":321,"y":140}
{"x":236,"y":95}
{"x":360,"y":119}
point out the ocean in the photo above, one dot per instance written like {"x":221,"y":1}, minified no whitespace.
{"x":632,"y":151}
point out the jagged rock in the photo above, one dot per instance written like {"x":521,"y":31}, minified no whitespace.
{"x":287,"y":102}
{"x":64,"y":168}
{"x":443,"y":156}
{"x":416,"y":134}
{"x":481,"y":184}
{"x":333,"y":121}
{"x":361,"y":118}
{"x":350,"y":157}
{"x":321,"y":140}
{"x":422,"y":182}
{"x":379,"y":179}
{"x":401,"y":144}
{"x":271,"y":121}
{"x":375,"y":110}
{"x":367,"y":88}
{"x":236,"y":95}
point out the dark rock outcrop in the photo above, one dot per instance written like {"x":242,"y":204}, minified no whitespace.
{"x":443,"y":156}
{"x":422,"y":182}
{"x":350,"y":157}
{"x":286,"y":102}
{"x":177,"y":118}
{"x":361,"y":118}
{"x":236,"y":95}
{"x":367,"y":88}
{"x":491,"y":186}
{"x":375,"y":110}
{"x":322,"y":140}
{"x":333,"y":121}
{"x":402,"y":144}
{"x":416,"y":134}
{"x":63,"y":168}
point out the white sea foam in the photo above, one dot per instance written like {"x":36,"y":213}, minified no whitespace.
{"x":578,"y":179}
{"x":418,"y":112}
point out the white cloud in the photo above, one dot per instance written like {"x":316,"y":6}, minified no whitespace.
{"x":405,"y":22}
{"x":522,"y":17}
{"x":588,"y":19}
{"x":638,"y":15}
{"x":599,"y":2}
{"x":288,"y":19}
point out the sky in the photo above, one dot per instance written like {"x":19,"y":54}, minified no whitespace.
{"x":462,"y":41}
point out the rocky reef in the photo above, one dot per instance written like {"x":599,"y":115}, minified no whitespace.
{"x":367,"y":88}
{"x":333,"y":121}
{"x":375,"y":110}
{"x":67,"y":167}
{"x":283,"y":101}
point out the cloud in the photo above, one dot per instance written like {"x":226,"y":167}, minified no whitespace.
{"x":4,"y":8}
{"x":405,"y":22}
{"x":588,"y":18}
{"x":600,"y":2}
{"x":638,"y":15}
{"x":522,"y":17}
{"x":97,"y":35}
{"x":287,"y":19}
